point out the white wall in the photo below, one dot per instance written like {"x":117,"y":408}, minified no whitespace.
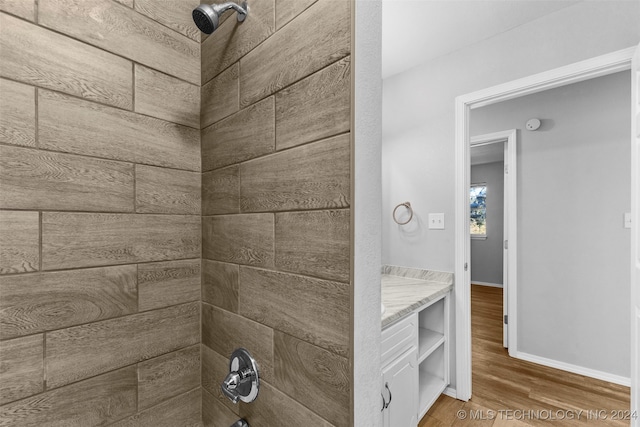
{"x":486,"y":254}
{"x":366,"y":199}
{"x":418,"y":115}
{"x":574,"y":185}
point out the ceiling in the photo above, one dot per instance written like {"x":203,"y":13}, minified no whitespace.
{"x":417,"y":31}
{"x":487,"y":153}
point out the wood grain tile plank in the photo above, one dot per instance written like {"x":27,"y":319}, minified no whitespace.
{"x":315,"y":108}
{"x":76,"y":126}
{"x":315,"y":243}
{"x":123,"y":31}
{"x":95,"y":402}
{"x":233,"y":39}
{"x":175,"y":14}
{"x":239,"y":239}
{"x":247,"y":134}
{"x":286,"y":10}
{"x":23,"y":8}
{"x":21,"y":368}
{"x":215,"y":414}
{"x":17,"y":114}
{"x":223,"y":332}
{"x":313,"y":176}
{"x":74,"y":240}
{"x":41,"y":302}
{"x":220,"y":97}
{"x":316,"y":38}
{"x":275,"y":405}
{"x":165,"y":97}
{"x":221,"y":191}
{"x":183,"y":411}
{"x":220,"y":284}
{"x":161,"y":190}
{"x":311,"y":309}
{"x":168,"y":376}
{"x":19,"y":242}
{"x":35,"y":179}
{"x":215,"y":368}
{"x":162,"y":284}
{"x":87,"y":350}
{"x":318,"y":379}
{"x":37,"y":56}
{"x":128,"y":3}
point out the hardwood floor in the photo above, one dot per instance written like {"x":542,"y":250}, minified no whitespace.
{"x":512,"y":392}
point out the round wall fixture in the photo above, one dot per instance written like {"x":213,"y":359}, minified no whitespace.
{"x":533,"y":124}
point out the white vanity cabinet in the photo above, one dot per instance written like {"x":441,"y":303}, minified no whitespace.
{"x":400,"y":381}
{"x":415,"y":363}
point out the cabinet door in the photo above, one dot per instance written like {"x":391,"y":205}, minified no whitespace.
{"x":401,"y":376}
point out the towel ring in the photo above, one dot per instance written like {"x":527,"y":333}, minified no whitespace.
{"x":409,"y":208}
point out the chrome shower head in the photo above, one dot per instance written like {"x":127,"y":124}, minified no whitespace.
{"x":207,"y":16}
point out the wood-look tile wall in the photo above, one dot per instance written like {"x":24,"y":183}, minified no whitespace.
{"x":100,"y":213}
{"x":276,"y":211}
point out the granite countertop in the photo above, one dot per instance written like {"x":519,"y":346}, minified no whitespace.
{"x":401,"y":295}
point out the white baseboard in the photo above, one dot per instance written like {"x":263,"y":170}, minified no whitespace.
{"x":493,"y":285}
{"x":451,"y":392}
{"x":575,"y":369}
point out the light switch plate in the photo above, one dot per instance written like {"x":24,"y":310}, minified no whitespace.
{"x":627,"y":220}
{"x":436,"y":221}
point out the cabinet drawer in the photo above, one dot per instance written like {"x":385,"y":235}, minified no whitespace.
{"x":398,"y":337}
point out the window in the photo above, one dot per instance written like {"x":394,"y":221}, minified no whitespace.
{"x":478,"y":217}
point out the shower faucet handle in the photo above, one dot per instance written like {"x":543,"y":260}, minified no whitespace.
{"x":243,"y":381}
{"x":231,"y":395}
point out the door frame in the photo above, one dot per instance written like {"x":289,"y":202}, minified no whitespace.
{"x":584,"y":70}
{"x":509,"y":246}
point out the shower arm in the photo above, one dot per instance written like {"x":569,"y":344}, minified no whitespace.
{"x":242,"y":10}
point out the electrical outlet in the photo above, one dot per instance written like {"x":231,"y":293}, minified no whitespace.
{"x":436,"y":221}
{"x":627,"y":220}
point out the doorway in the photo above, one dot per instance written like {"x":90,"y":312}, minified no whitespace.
{"x":493,"y":171}
{"x":585,"y":70}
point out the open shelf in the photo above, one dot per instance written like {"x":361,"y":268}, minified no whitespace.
{"x":432,"y":378}
{"x":428,"y":341}
{"x":431,"y":387}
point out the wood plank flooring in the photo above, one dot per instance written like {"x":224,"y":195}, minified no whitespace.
{"x":502,"y":383}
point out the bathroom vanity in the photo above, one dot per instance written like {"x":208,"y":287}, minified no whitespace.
{"x":415,"y":343}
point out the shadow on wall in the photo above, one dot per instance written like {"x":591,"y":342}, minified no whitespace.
{"x":414,"y":231}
